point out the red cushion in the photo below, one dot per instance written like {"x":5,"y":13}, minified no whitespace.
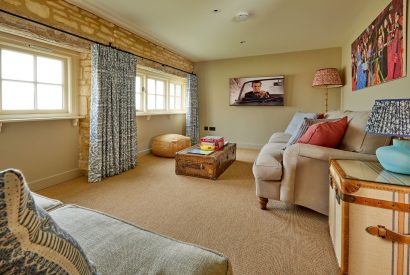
{"x":326,"y":134}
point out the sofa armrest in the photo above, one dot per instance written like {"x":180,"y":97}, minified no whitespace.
{"x":279,"y":137}
{"x":324,"y":153}
{"x":294,"y":155}
{"x":46,"y":203}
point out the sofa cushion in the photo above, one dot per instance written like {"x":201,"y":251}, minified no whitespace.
{"x":30,"y":241}
{"x":357,"y":140}
{"x":306,"y":123}
{"x":268,"y":165}
{"x":118,"y":247}
{"x":326,"y":134}
{"x":297,"y":120}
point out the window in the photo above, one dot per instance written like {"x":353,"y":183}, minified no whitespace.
{"x":31,"y":82}
{"x":155,"y":94}
{"x":175,"y":96}
{"x":158,"y":92}
{"x":35,"y":79}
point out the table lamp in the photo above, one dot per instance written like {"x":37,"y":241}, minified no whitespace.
{"x":327,"y":78}
{"x":391,"y":117}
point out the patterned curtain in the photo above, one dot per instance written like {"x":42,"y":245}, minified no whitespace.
{"x":192,"y":110}
{"x":112,"y":116}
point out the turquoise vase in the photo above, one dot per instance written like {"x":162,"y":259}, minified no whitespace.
{"x":395,"y":158}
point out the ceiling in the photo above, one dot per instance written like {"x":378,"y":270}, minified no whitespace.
{"x":192,"y":29}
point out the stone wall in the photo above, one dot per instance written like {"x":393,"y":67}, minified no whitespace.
{"x":70,"y":18}
{"x":85,"y":102}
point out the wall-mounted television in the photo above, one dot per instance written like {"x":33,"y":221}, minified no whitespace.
{"x":257,"y":91}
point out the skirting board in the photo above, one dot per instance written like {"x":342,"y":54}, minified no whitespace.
{"x":54,"y":179}
{"x":65,"y":176}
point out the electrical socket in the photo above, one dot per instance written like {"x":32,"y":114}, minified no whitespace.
{"x":212,"y":128}
{"x":206,"y":128}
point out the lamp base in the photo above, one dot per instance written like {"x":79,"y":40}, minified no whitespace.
{"x":395,"y":158}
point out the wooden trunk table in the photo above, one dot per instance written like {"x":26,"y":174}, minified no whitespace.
{"x":205,"y":166}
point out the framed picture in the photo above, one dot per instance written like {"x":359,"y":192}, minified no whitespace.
{"x":379,"y":53}
{"x":256,"y":91}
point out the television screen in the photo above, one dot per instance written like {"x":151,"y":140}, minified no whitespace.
{"x":256,"y":91}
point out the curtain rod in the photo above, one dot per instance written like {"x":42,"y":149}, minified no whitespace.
{"x":93,"y":41}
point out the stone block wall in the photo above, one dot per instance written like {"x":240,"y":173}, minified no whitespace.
{"x":85,"y":102}
{"x":68,"y":17}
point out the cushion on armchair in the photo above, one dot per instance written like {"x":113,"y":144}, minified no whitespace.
{"x":30,"y":241}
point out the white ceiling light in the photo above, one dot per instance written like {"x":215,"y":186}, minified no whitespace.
{"x":242,"y":16}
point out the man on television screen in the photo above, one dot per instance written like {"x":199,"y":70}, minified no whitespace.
{"x":256,"y":91}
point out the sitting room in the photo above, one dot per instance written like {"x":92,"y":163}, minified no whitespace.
{"x":204,"y":137}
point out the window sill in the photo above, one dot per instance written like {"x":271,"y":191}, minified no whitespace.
{"x":148,"y":115}
{"x":10,"y":119}
{"x":159,"y":113}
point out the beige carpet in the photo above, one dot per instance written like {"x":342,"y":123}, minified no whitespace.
{"x":222,"y":215}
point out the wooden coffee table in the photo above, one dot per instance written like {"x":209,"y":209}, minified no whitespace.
{"x":205,"y":166}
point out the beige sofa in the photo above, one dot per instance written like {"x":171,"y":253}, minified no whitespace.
{"x":299,"y":174}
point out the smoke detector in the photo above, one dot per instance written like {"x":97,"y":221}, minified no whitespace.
{"x":242,"y":16}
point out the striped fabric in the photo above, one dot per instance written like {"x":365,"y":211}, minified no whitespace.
{"x":304,"y":125}
{"x":30,"y":241}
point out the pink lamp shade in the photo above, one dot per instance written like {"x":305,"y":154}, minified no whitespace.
{"x":327,"y":78}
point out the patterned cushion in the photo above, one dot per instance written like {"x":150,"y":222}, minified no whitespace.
{"x":306,"y":123}
{"x":30,"y":241}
